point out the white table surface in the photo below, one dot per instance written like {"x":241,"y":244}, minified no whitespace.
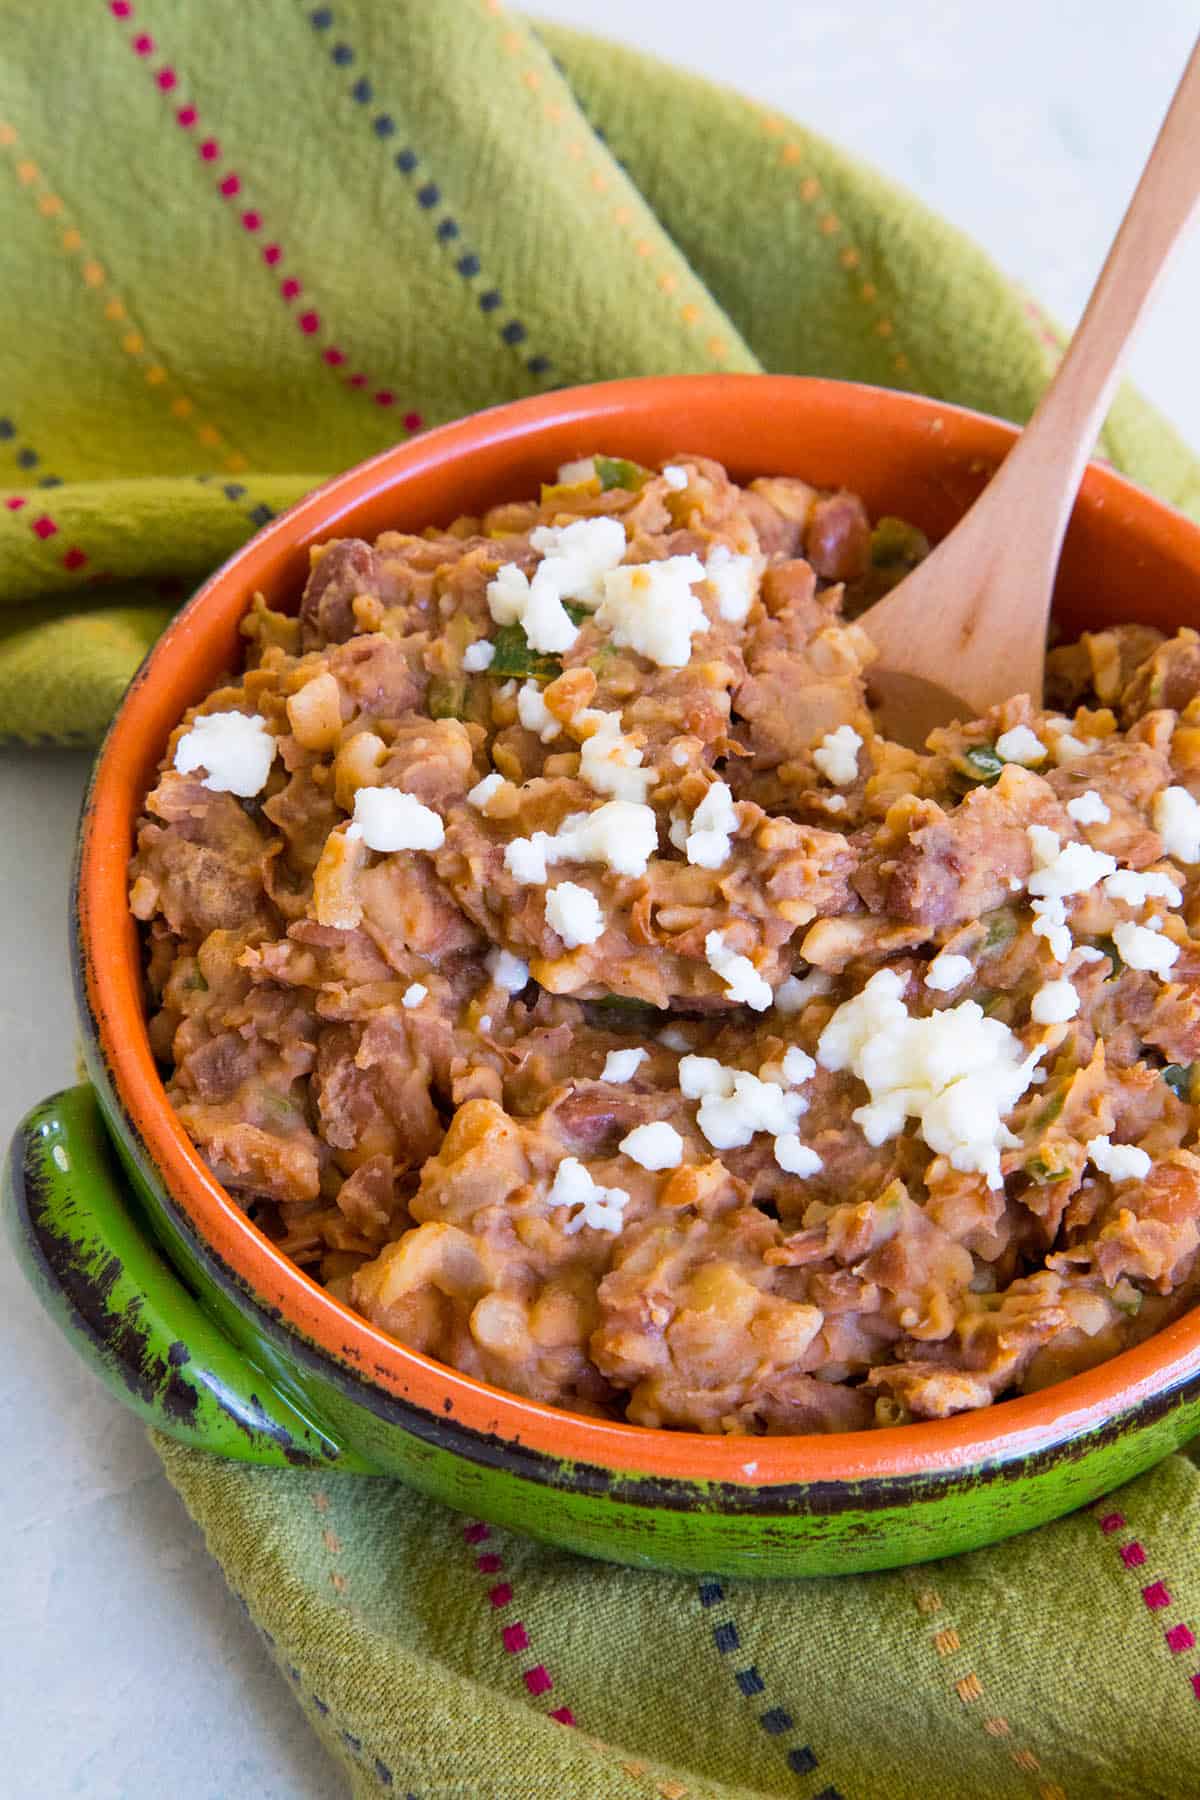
{"x":126,"y":1669}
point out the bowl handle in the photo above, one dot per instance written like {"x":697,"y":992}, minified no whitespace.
{"x":100,"y":1277}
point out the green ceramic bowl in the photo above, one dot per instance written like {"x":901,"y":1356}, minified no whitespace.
{"x":206,"y":1330}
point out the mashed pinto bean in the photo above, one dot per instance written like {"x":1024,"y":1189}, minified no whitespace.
{"x":629,"y":1024}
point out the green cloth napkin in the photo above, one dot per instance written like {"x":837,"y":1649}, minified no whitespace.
{"x":246,"y":246}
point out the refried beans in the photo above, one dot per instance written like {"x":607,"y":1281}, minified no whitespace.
{"x":548,"y":952}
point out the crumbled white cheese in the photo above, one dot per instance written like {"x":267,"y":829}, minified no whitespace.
{"x":798,"y":1065}
{"x":506,"y":970}
{"x":1136,"y":889}
{"x":1060,"y":869}
{"x":947,"y":972}
{"x":534,"y":605}
{"x":700,"y":1075}
{"x":677,"y":831}
{"x":795,"y":993}
{"x":478,"y":656}
{"x":957,"y":1072}
{"x":571,"y":473}
{"x":535,"y":715}
{"x":681,"y":756}
{"x":485,"y":1021}
{"x":483,"y":790}
{"x":576,"y":557}
{"x":833,"y":803}
{"x":795,"y":1158}
{"x":1021,"y":745}
{"x":675,"y":476}
{"x":673,"y":1039}
{"x":713,"y":824}
{"x":236,"y":749}
{"x":1177,"y":820}
{"x":650,"y":608}
{"x":836,"y":756}
{"x":620,"y":833}
{"x":602,"y":1207}
{"x":1054,"y":1003}
{"x":1088,"y":809}
{"x":1087,"y":954}
{"x":1142,"y":948}
{"x":1123,"y":1162}
{"x":413,"y":996}
{"x":393,"y":820}
{"x":656,"y":1146}
{"x":609,"y":761}
{"x":507,"y":690}
{"x":733,"y":580}
{"x":574,"y":912}
{"x":1067,"y":747}
{"x":525,"y":859}
{"x":1050,"y":922}
{"x":742,"y":980}
{"x":622,"y":1065}
{"x":734,"y":1104}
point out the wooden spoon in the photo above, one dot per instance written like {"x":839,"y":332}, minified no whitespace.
{"x":968,"y":627}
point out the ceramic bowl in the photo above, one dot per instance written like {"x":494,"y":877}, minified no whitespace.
{"x":212,"y":1334}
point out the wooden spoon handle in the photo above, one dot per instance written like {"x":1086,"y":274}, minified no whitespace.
{"x":1063,"y":430}
{"x":971,"y":620}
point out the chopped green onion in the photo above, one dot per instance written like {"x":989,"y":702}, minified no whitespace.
{"x":196,"y":982}
{"x":1178,"y":1077}
{"x":515,"y":661}
{"x":1001,"y":927}
{"x":1051,"y":1110}
{"x":983,"y":763}
{"x":1127,"y":1298}
{"x":617,"y":472}
{"x":1043,"y":1172}
{"x":1113,"y":954}
{"x":895,"y":544}
{"x":446,"y":697}
{"x":616,"y":1012}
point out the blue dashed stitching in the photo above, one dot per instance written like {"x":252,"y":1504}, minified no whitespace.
{"x":776,"y":1721}
{"x":428,"y":196}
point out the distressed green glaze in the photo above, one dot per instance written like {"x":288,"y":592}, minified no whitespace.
{"x":207,"y":1364}
{"x":100,"y":1278}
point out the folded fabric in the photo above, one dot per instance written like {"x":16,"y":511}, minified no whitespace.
{"x":246,"y":246}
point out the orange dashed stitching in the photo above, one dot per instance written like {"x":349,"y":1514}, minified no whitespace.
{"x":622,"y":216}
{"x":338,"y":1580}
{"x":830,"y":226}
{"x":947,"y":1642}
{"x":95,"y":276}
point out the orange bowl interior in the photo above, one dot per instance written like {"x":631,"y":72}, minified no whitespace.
{"x":1127,"y":557}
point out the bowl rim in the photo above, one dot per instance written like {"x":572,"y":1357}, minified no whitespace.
{"x":108,"y":968}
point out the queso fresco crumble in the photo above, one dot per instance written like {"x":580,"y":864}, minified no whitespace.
{"x":550,"y":954}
